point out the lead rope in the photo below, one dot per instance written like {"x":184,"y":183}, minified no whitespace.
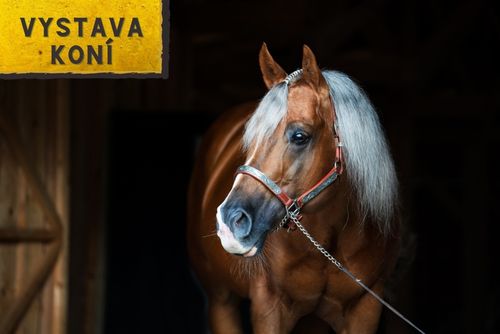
{"x":339,"y":265}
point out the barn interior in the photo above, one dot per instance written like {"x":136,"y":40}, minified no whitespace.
{"x":93,"y":172}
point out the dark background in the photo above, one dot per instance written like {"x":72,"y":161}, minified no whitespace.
{"x":431,"y":69}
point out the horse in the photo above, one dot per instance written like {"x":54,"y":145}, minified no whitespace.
{"x":312,"y":154}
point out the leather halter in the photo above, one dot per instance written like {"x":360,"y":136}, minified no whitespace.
{"x":294,"y":205}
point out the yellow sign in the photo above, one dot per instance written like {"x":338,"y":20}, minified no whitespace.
{"x":83,"y":37}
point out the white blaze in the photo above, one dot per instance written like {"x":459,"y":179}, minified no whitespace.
{"x":224,"y":233}
{"x":227,"y":238}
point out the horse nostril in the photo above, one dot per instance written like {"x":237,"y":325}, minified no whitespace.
{"x":237,"y":217}
{"x":241,"y":223}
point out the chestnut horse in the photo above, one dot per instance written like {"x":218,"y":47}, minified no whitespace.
{"x":287,"y":144}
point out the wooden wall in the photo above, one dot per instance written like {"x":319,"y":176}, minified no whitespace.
{"x":34,"y":206}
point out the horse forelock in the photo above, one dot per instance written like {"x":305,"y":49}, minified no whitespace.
{"x":368,"y":161}
{"x":269,"y":113}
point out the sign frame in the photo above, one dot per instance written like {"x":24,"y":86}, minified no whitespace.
{"x":165,"y":57}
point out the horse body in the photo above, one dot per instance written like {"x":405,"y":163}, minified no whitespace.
{"x":283,"y":274}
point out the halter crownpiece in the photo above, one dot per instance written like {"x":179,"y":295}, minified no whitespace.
{"x":292,"y":77}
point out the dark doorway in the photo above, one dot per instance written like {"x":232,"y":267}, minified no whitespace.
{"x":149,"y":286}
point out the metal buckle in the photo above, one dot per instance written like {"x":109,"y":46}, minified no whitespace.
{"x":292,"y":215}
{"x":293,"y":210}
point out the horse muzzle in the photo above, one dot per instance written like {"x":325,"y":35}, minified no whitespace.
{"x":242,"y":226}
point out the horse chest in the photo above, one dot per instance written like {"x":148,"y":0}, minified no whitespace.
{"x":311,"y":278}
{"x":300,"y":281}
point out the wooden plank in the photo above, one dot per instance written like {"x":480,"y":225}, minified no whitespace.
{"x":90,"y":105}
{"x":42,"y":269}
{"x":60,"y":197}
{"x":17,"y":235}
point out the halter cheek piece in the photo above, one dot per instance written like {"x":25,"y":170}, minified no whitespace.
{"x":293,"y":206}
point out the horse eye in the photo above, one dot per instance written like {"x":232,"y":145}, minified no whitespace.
{"x":299,"y":138}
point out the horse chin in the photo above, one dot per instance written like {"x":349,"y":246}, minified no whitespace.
{"x":256,"y":249}
{"x":251,"y":252}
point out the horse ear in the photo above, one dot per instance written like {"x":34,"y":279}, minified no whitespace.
{"x":311,"y":71}
{"x":272,"y":73}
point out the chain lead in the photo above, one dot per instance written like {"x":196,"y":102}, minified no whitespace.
{"x":347,"y":272}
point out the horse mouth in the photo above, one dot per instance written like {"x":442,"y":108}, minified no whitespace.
{"x":251,"y":252}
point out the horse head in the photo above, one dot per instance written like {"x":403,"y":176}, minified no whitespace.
{"x":292,"y":140}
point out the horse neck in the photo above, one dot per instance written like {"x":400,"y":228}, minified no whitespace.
{"x":331,"y":218}
{"x":339,"y":225}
